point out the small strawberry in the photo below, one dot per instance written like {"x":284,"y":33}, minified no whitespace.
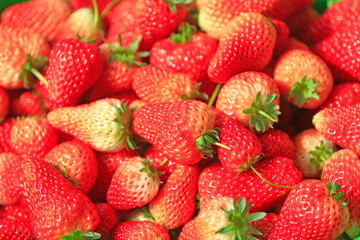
{"x":11,"y":229}
{"x":140,"y":230}
{"x":155,"y":85}
{"x":311,"y":152}
{"x":251,"y":98}
{"x":186,"y":127}
{"x":343,"y":94}
{"x":237,"y":52}
{"x":103,"y":124}
{"x":303,"y":78}
{"x":345,"y":134}
{"x":245,"y":147}
{"x":5,"y":130}
{"x":28,"y":103}
{"x":343,"y":167}
{"x":10,"y":178}
{"x":4,"y":104}
{"x":313,"y":210}
{"x":134,"y":184}
{"x":71,"y":63}
{"x":43,"y":16}
{"x":276,"y":143}
{"x":57,"y":208}
{"x":108,"y":220}
{"x":32,"y":137}
{"x":77,"y":162}
{"x":174,"y":205}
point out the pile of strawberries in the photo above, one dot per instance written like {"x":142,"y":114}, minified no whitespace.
{"x":174,"y":119}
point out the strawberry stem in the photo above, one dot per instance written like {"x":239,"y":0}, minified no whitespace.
{"x":162,"y":164}
{"x":205,"y":142}
{"x":214,"y":94}
{"x":303,"y":90}
{"x":96,"y":19}
{"x":184,"y":36}
{"x":270,"y":183}
{"x":320,"y":155}
{"x":108,"y":8}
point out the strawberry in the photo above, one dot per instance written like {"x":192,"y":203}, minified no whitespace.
{"x":282,"y":34}
{"x":57,"y":208}
{"x":103,"y":124}
{"x":108,"y":220}
{"x":185,"y":127}
{"x":140,"y":230}
{"x":108,"y":163}
{"x":345,"y":134}
{"x":78,"y":4}
{"x":16,"y":211}
{"x":245,"y":147}
{"x":10,"y":178}
{"x":343,"y":94}
{"x":71,"y":63}
{"x":341,"y":15}
{"x":134,"y":184}
{"x":216,"y":181}
{"x":311,"y":211}
{"x":303,"y":78}
{"x":277,"y":143}
{"x":28,"y":103}
{"x":22,"y":52}
{"x":44,"y":17}
{"x":77,"y":162}
{"x":343,"y":64}
{"x":155,"y":85}
{"x":4,"y":104}
{"x":32,"y":137}
{"x":174,"y":205}
{"x":311,"y":152}
{"x":5,"y":130}
{"x":300,"y":20}
{"x":265,"y":225}
{"x":237,"y":52}
{"x":343,"y":167}
{"x":127,"y":96}
{"x":247,"y":94}
{"x":11,"y":229}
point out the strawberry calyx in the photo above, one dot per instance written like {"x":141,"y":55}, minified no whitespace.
{"x":150,"y":170}
{"x":195,"y":94}
{"x":250,"y":162}
{"x":320,"y":155}
{"x":262,"y":113}
{"x":303,"y":90}
{"x":78,"y":235}
{"x":66,"y":176}
{"x":205,"y":142}
{"x":335,"y":193}
{"x":184,"y":36}
{"x":128,"y":55}
{"x":31,"y":68}
{"x":240,"y":221}
{"x":173,"y":3}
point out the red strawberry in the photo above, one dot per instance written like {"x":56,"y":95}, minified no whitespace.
{"x":77,"y":4}
{"x":282,"y":34}
{"x":174,"y":205}
{"x":265,"y":225}
{"x":57,"y":208}
{"x":108,"y":163}
{"x":155,"y":85}
{"x":108,"y":220}
{"x":22,"y":50}
{"x":140,"y":230}
{"x":126,"y":97}
{"x":238,"y":52}
{"x":43,"y":16}
{"x":10,"y":179}
{"x":32,"y":137}
{"x":77,"y":162}
{"x":216,"y":181}
{"x":343,"y":167}
{"x":4,"y":104}
{"x":245,"y":95}
{"x":103,"y":124}
{"x":29,"y":103}
{"x":177,"y":129}
{"x":276,"y":143}
{"x":311,"y":211}
{"x":5,"y":130}
{"x":300,"y":20}
{"x":11,"y":229}
{"x":311,"y":152}
{"x":17,"y":212}
{"x":134,"y":184}
{"x":345,"y":134}
{"x":245,"y":147}
{"x":343,"y":94}
{"x":343,"y":64}
{"x":71,"y":63}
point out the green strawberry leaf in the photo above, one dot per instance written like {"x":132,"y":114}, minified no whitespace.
{"x":335,"y":193}
{"x":78,"y":235}
{"x":195,"y":94}
{"x":185,"y":34}
{"x":150,"y":170}
{"x":205,"y":142}
{"x":31,"y":68}
{"x":303,"y":90}
{"x":319,"y":155}
{"x":173,"y":3}
{"x":66,"y":176}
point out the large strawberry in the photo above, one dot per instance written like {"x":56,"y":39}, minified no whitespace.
{"x":238,"y":52}
{"x":313,"y":210}
{"x":4,"y":104}
{"x":43,"y":16}
{"x":179,"y":130}
{"x":103,"y":124}
{"x":344,"y":134}
{"x":57,"y":208}
{"x":140,"y":230}
{"x":71,"y":63}
{"x":343,"y":167}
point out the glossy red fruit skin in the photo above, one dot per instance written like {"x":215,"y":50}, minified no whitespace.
{"x":77,"y":4}
{"x":5,"y":130}
{"x":108,"y":219}
{"x":140,"y":230}
{"x":265,"y":225}
{"x":71,"y":63}
{"x":28,"y":104}
{"x":343,"y":94}
{"x":216,"y":181}
{"x":12,"y":229}
{"x":15,"y":211}
{"x":277,"y":143}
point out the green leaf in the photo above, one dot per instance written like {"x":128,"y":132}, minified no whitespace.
{"x":91,"y":235}
{"x":303,"y":90}
{"x":319,"y":155}
{"x":255,"y":216}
